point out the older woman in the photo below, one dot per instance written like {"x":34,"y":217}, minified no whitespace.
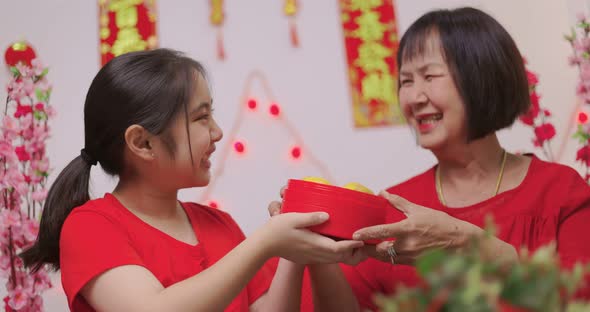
{"x":461,"y":79}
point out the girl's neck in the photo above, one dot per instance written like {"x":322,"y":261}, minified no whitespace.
{"x":147,"y":200}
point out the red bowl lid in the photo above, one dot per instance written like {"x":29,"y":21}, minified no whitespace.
{"x":349,"y":210}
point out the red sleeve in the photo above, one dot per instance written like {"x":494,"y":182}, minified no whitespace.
{"x":260,"y":283}
{"x":367,"y":279}
{"x":572,"y":233}
{"x":91,"y":244}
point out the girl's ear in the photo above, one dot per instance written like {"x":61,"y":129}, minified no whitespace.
{"x":137,"y":140}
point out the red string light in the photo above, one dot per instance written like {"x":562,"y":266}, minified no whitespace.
{"x":238,"y":145}
{"x":252,"y":104}
{"x":275,"y":110}
{"x":213,"y":204}
{"x":296,"y":152}
{"x":582,"y":117}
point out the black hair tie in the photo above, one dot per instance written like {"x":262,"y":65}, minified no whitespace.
{"x":87,"y":158}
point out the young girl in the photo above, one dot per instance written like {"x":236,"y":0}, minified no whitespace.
{"x":148,"y":120}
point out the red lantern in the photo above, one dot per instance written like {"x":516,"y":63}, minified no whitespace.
{"x":19,"y":51}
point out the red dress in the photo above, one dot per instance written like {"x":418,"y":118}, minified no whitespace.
{"x":551,"y":204}
{"x":102,"y":234}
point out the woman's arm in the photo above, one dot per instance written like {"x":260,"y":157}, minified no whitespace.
{"x":425,"y":229}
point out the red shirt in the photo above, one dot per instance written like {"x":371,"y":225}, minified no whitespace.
{"x":102,"y":234}
{"x":551,"y":204}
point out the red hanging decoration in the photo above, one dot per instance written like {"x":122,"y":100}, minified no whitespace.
{"x":370,"y":39}
{"x":220,"y":47}
{"x":290,"y":9}
{"x":126,"y":26}
{"x":20,"y":51}
{"x":293,"y":33}
{"x":217,"y":19}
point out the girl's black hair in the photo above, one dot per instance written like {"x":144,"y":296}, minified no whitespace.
{"x":147,"y":88}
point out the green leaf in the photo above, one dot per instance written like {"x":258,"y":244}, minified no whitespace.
{"x":578,"y":307}
{"x":473,"y":284}
{"x":581,"y":135}
{"x":41,"y":95}
{"x":572,"y":36}
{"x":544,"y":255}
{"x":42,"y":173}
{"x":15,"y":72}
{"x":39,"y":115}
{"x":44,"y":72}
{"x":429,"y":261}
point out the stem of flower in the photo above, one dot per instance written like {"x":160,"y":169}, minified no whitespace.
{"x":11,"y":255}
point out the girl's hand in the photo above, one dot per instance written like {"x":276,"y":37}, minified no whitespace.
{"x":288,"y":237}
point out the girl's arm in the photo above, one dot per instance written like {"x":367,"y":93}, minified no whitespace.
{"x":134,"y":288}
{"x":331,"y":291}
{"x":284,"y":293}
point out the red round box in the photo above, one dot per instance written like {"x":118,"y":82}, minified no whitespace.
{"x":349,"y":210}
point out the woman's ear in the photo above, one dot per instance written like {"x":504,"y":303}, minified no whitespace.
{"x":137,"y":139}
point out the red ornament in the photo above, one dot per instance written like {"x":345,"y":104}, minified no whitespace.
{"x":296,"y":152}
{"x":582,"y":117}
{"x":583,"y":155}
{"x":22,"y":153}
{"x":544,"y":132}
{"x":213,"y":204}
{"x":19,"y":52}
{"x":239,"y":147}
{"x":275,"y":110}
{"x":252,"y":104}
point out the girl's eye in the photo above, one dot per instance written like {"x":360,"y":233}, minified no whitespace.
{"x":205,"y":116}
{"x":202,"y":117}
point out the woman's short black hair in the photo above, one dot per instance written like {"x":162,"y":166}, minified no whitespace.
{"x":485,"y":64}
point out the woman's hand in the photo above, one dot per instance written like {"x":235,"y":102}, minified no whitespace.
{"x":423,"y":229}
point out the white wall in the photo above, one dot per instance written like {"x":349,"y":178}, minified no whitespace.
{"x":309,"y":82}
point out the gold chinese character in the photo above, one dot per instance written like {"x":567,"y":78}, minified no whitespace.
{"x":380,"y":87}
{"x":128,"y":40}
{"x":370,"y":28}
{"x":372,"y":57}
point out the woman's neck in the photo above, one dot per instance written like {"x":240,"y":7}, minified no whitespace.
{"x":477,"y":160}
